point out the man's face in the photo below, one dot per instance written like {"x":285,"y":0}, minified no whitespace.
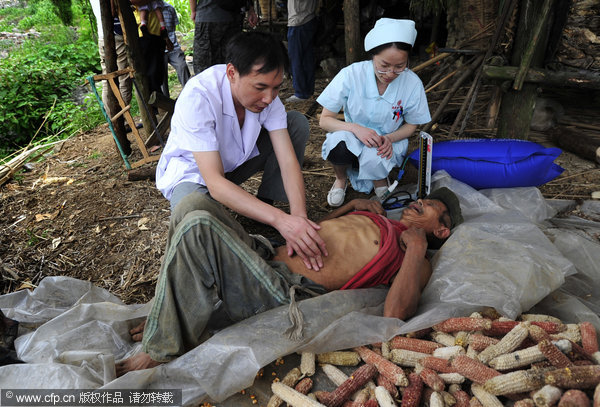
{"x":426,"y":214}
{"x":256,"y":90}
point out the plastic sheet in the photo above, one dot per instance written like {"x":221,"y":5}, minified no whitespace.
{"x":505,"y":256}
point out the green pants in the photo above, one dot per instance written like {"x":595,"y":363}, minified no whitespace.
{"x":209,"y":256}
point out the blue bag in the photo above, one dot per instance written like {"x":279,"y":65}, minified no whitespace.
{"x":494,"y":163}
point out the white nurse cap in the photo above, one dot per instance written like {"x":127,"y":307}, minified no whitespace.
{"x":388,"y":30}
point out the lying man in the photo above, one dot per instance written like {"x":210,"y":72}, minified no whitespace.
{"x":210,"y":255}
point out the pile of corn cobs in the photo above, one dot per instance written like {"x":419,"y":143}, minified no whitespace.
{"x":481,"y":360}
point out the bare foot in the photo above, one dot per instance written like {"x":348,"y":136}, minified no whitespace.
{"x":137,"y":333}
{"x":137,"y":362}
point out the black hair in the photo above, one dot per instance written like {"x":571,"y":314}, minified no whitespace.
{"x":402,"y":46}
{"x":247,"y":49}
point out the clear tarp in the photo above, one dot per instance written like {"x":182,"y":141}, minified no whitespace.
{"x":511,"y":253}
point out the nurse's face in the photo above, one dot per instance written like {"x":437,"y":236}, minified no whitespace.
{"x":254,"y":91}
{"x":389,"y":64}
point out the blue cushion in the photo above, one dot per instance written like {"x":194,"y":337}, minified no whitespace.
{"x":494,"y":163}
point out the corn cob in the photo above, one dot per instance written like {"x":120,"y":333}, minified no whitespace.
{"x":578,"y":351}
{"x":515,"y":382}
{"x":339,"y":358}
{"x":500,"y":328}
{"x":405,"y":357}
{"x":343,"y":392}
{"x":540,"y":318}
{"x":443,"y":338}
{"x":461,"y":397}
{"x":582,"y":362}
{"x":474,"y":402}
{"x":576,"y":377}
{"x":362,"y":396}
{"x":304,"y":385}
{"x":385,"y":350}
{"x":589,"y":339}
{"x":415,"y":345}
{"x":388,"y":385}
{"x":290,"y":380}
{"x":574,"y":398}
{"x":369,"y":403}
{"x":487,"y":399}
{"x":292,"y":397}
{"x":338,"y":377}
{"x":414,"y":390}
{"x":479,"y":342}
{"x":537,"y":334}
{"x":436,"y":400}
{"x":431,"y":379}
{"x":563,"y":345}
{"x":554,"y":355}
{"x":572,"y":333}
{"x":384,"y":398}
{"x":597,"y":396}
{"x":473,"y":369}
{"x":307,"y":363}
{"x":452,"y":378}
{"x":426,"y":396}
{"x":547,"y":396}
{"x":334,"y":374}
{"x":517,"y":359}
{"x":461,"y":338}
{"x":384,"y":366}
{"x":421,"y":333}
{"x":448,"y":398}
{"x":463,"y":324}
{"x":449,"y":352}
{"x":527,"y":402}
{"x":438,"y":364}
{"x":507,"y":344}
{"x":596,"y":357}
{"x":471,"y":352}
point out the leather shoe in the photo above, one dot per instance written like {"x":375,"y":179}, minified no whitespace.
{"x":336,"y":196}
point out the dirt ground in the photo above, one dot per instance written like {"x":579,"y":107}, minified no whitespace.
{"x":75,"y":213}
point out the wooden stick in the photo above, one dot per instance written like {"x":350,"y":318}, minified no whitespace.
{"x":532,"y":45}
{"x":431,"y":61}
{"x":466,"y":73}
{"x":445,"y":78}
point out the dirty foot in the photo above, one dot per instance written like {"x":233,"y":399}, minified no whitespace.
{"x":137,"y":333}
{"x":138,"y":362}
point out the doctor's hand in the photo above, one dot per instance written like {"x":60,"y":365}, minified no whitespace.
{"x":301,"y":238}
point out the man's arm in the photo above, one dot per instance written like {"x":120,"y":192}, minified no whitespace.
{"x":193,"y":10}
{"x":404,"y":294}
{"x":368,"y":205}
{"x":299,"y":232}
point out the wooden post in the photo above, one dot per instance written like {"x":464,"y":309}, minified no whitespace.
{"x":110,"y":62}
{"x":559,"y":79}
{"x":516,"y":107}
{"x":352,"y":31}
{"x":136,"y":61}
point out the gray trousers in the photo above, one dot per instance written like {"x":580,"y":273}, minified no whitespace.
{"x":271,"y":186}
{"x":209,"y":256}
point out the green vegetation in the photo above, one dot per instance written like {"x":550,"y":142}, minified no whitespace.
{"x":41,"y":74}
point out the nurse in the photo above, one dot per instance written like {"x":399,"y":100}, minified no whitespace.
{"x":383,"y":103}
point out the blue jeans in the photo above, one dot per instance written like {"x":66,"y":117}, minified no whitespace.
{"x":302,"y":58}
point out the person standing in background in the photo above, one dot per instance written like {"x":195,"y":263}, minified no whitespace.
{"x":124,"y":82}
{"x":176,"y":57}
{"x":302,"y":27}
{"x":216,"y":21}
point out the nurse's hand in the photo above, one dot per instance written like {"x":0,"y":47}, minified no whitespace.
{"x":385,"y":150}
{"x":369,"y":137}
